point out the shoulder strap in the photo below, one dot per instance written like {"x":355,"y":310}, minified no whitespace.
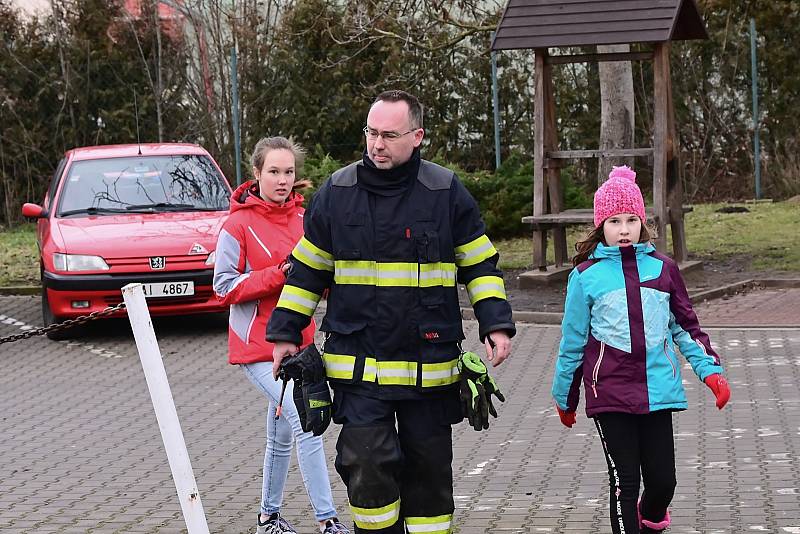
{"x":435,"y":177}
{"x":346,"y":176}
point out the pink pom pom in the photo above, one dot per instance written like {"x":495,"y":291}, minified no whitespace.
{"x":623,"y":172}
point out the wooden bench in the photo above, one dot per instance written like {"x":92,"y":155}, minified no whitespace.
{"x":575,"y":217}
{"x":559,"y":221}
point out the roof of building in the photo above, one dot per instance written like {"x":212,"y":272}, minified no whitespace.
{"x":556,"y":23}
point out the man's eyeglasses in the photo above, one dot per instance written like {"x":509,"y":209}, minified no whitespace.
{"x":373,"y":135}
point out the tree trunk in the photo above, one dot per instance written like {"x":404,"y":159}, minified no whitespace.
{"x":616,"y":109}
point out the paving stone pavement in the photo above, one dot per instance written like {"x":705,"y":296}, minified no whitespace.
{"x":80,"y":449}
{"x":758,"y":307}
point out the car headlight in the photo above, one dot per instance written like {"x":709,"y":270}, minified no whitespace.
{"x":211,"y":258}
{"x":78,"y":262}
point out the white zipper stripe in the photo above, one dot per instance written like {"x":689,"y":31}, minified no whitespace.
{"x":596,"y":369}
{"x":259,"y":241}
{"x":666,"y":353}
{"x":252,"y":321}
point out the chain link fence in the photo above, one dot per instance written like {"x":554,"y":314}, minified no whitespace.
{"x":64,"y":325}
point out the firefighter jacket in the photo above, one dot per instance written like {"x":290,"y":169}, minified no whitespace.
{"x":391,"y":258}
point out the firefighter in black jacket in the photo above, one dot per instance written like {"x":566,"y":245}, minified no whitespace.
{"x":390,"y":236}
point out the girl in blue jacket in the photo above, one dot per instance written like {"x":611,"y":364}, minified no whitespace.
{"x":626,"y":309}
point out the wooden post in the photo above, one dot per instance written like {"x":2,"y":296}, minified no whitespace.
{"x":680,"y":252}
{"x":553,"y":168}
{"x":539,"y":193}
{"x":660,"y":134}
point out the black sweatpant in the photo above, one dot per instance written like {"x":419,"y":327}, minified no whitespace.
{"x":634,"y":444}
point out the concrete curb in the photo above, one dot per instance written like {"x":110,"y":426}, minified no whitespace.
{"x":20,"y":290}
{"x":744,"y":285}
{"x":701,"y":296}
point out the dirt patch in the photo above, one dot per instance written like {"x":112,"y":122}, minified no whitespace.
{"x":714,"y":274}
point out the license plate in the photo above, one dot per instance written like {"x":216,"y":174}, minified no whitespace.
{"x":168,"y":289}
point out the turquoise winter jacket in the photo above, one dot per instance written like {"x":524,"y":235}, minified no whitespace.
{"x":626,"y":309}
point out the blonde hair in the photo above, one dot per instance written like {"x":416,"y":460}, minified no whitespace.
{"x":266,"y":144}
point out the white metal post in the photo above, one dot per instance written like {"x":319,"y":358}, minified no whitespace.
{"x":164,"y":406}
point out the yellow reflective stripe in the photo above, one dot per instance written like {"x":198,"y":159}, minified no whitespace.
{"x":339,"y":365}
{"x":484,"y":287}
{"x":394,"y":274}
{"x":398,"y":274}
{"x":437,"y":274}
{"x":391,"y":372}
{"x":299,"y":300}
{"x":430,"y":525}
{"x":440,"y":374}
{"x":370,"y":370}
{"x":343,"y":366}
{"x":376,"y":518}
{"x":474,"y":252}
{"x":313,"y":256}
{"x":397,"y":373}
{"x":384,"y":274}
{"x":355,"y":272}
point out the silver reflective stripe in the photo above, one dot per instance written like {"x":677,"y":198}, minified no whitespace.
{"x":445,"y":373}
{"x":307,"y":303}
{"x":480,"y":250}
{"x":383,"y":372}
{"x":354,"y":271}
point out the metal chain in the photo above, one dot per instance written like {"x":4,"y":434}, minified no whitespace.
{"x":69,"y":323}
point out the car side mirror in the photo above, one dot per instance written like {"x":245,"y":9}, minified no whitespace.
{"x":34,"y":211}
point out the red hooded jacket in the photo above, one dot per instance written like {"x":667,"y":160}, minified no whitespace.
{"x":257,"y":237}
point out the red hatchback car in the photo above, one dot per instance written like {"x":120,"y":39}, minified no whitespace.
{"x":118,"y":214}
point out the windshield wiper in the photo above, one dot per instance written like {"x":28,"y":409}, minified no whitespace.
{"x":92,"y":211}
{"x":169,"y":206}
{"x":159,"y":205}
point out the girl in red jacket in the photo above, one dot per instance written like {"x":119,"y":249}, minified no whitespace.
{"x":265,"y":224}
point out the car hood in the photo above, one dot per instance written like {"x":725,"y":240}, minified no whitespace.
{"x":139,"y":235}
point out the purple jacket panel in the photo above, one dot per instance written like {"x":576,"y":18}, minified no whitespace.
{"x":613,"y":378}
{"x":681,"y":306}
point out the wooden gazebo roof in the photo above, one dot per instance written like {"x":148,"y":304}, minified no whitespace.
{"x":554,"y":23}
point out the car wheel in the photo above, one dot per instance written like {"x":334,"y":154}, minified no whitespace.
{"x":48,"y":318}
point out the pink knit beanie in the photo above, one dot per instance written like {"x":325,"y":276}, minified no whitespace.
{"x":619,"y":194}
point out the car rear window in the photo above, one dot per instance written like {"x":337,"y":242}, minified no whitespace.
{"x":143,"y":184}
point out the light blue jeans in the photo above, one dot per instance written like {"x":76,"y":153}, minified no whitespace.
{"x":280,"y":435}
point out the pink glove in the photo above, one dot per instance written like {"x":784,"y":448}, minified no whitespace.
{"x":719,"y":386}
{"x":567,"y":418}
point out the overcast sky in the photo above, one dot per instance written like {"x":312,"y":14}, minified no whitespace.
{"x":32,"y":6}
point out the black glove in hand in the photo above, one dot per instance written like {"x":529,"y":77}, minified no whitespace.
{"x":297,"y":395}
{"x":305,"y":367}
{"x":490,"y":387}
{"x":311,"y":395}
{"x":316,"y":407}
{"x":476,"y":390}
{"x":474,"y":405}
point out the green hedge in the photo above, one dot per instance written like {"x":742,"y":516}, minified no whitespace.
{"x":504,"y":196}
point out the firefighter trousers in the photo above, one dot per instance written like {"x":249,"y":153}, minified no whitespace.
{"x":395,"y":457}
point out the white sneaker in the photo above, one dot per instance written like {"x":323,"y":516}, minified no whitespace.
{"x":333,"y":526}
{"x":274,"y":525}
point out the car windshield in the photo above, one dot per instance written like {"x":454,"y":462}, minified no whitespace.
{"x":143,"y":184}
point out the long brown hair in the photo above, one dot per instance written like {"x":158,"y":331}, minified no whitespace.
{"x":266,"y":144}
{"x":585,"y":247}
